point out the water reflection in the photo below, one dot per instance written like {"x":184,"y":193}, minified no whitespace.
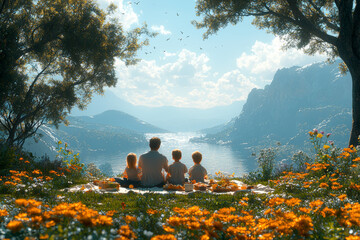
{"x":215,"y":157}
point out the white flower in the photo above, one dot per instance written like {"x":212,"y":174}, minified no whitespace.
{"x":148,"y":233}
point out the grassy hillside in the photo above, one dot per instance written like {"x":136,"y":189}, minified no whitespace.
{"x":315,"y":198}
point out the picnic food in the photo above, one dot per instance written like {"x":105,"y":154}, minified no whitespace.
{"x":173,"y":187}
{"x":224,"y":185}
{"x":107,"y":185}
{"x":200,"y":186}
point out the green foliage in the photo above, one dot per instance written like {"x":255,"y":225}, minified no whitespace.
{"x":53,"y":56}
{"x":266,"y":162}
{"x":301,"y":23}
{"x":71,"y":162}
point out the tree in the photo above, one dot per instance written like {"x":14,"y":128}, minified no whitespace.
{"x":325,"y":26}
{"x":53,"y":55}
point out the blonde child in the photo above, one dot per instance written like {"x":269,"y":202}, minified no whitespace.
{"x":177,"y":170}
{"x":132,"y":173}
{"x":197,"y":172}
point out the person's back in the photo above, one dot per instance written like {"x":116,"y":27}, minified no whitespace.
{"x":197,"y":172}
{"x":177,"y":170}
{"x":132,"y":174}
{"x":151,"y":164}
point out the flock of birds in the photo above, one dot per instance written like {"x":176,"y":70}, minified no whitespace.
{"x":180,"y":38}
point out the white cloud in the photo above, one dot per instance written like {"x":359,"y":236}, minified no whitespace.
{"x":124,"y":12}
{"x":265,"y":59}
{"x":161,"y":29}
{"x":186,"y":81}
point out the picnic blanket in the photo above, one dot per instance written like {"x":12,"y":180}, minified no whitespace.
{"x":90,"y":187}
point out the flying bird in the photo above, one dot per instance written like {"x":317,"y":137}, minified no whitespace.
{"x":177,"y":14}
{"x":168,"y":39}
{"x":181,"y":32}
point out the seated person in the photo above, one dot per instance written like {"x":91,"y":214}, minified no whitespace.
{"x":152,"y":163}
{"x":177,"y":170}
{"x":197,"y":172}
{"x":131,"y":174}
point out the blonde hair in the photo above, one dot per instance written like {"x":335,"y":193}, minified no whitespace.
{"x":131,"y":160}
{"x":197,"y":157}
{"x":176,"y":154}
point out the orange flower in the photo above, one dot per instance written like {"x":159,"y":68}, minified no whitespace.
{"x":168,"y":229}
{"x":20,"y":159}
{"x":292,"y":202}
{"x":50,"y":224}
{"x":46,"y":236}
{"x":15,"y":225}
{"x":342,"y":197}
{"x":151,"y":211}
{"x":353,"y":237}
{"x":3,"y":213}
{"x":26,"y":161}
{"x":131,"y":186}
{"x":128,"y":219}
{"x":324,"y":185}
{"x":164,"y":237}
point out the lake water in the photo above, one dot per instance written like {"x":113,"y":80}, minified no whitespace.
{"x":215,"y":157}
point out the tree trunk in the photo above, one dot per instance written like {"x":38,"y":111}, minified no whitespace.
{"x":355,"y":130}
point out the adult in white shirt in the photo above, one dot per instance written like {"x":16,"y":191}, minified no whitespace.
{"x":152,"y":163}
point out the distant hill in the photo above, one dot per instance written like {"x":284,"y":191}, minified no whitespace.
{"x":119,"y":119}
{"x":167,"y":117}
{"x":109,"y":131}
{"x":298,"y":100}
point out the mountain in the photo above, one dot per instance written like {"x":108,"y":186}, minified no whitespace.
{"x":118,"y":119}
{"x":298,"y":100}
{"x":109,"y":131}
{"x":174,"y":119}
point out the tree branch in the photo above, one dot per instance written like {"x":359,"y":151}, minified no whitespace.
{"x":2,"y":6}
{"x":305,"y":24}
{"x":323,"y":17}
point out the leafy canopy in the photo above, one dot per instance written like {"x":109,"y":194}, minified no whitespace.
{"x":311,"y":23}
{"x":53,"y":56}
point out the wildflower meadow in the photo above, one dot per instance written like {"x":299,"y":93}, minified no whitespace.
{"x":319,"y":200}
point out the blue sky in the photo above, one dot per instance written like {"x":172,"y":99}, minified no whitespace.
{"x":181,"y":69}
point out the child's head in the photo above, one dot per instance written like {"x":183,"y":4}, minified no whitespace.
{"x":176,"y":154}
{"x":131,"y":160}
{"x":197,"y":157}
{"x":154,"y":143}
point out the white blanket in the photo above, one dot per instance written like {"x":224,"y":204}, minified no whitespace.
{"x":90,"y":187}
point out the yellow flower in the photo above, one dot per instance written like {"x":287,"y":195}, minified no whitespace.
{"x":15,"y":225}
{"x":326,"y":147}
{"x":319,"y":135}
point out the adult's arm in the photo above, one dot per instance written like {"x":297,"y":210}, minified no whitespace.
{"x":140,"y":162}
{"x":165,"y":165}
{"x":185,"y":169}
